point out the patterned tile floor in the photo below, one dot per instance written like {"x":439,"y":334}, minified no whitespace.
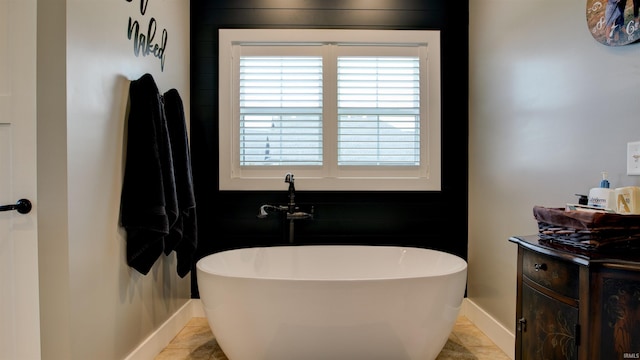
{"x":195,"y":342}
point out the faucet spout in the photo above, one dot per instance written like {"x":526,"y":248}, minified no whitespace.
{"x":263,"y":212}
{"x":265,"y":209}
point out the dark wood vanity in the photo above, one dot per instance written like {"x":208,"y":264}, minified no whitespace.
{"x":576,"y":304}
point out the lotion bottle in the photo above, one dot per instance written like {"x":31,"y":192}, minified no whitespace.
{"x":602,"y":197}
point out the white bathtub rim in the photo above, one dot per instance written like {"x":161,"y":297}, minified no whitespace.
{"x":460,"y":266}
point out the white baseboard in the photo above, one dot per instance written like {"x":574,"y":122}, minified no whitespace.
{"x":160,"y":338}
{"x":198,"y":310}
{"x":499,"y":334}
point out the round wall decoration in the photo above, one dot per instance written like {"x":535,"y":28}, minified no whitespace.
{"x":614,"y":22}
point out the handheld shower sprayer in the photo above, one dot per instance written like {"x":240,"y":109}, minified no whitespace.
{"x":288,"y":178}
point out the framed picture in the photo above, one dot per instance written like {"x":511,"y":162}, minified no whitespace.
{"x":614,"y":22}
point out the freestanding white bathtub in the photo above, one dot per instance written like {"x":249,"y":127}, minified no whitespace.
{"x":331,"y":302}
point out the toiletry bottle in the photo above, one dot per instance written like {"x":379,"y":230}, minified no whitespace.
{"x":602,"y":197}
{"x":628,"y":200}
{"x":582,"y":199}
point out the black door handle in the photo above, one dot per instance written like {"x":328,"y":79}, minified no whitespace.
{"x":23,"y":206}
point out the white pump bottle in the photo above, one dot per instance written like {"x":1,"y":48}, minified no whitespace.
{"x":602,"y":197}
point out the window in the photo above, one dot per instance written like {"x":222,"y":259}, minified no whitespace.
{"x":341,"y":109}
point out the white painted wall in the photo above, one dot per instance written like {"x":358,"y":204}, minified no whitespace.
{"x":550,"y":108}
{"x":93,"y":305}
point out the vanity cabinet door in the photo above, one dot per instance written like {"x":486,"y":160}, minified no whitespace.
{"x":547,"y":327}
{"x":620,"y":315}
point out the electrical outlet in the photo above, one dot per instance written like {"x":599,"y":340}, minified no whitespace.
{"x":633,"y":158}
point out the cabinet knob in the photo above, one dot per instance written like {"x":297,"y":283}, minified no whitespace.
{"x":539,"y":267}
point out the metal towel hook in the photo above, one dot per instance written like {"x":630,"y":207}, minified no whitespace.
{"x":23,"y":206}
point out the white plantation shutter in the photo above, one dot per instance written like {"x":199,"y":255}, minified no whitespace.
{"x":342,"y":109}
{"x":379,"y":111}
{"x":280,"y":111}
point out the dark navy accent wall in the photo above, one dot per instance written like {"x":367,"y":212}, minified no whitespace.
{"x":227,"y":219}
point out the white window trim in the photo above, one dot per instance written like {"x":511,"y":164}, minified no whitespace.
{"x":386,"y":178}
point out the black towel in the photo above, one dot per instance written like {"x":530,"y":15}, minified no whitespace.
{"x":183,"y":235}
{"x":148,"y":204}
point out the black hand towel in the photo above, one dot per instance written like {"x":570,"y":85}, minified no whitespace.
{"x":148,"y":204}
{"x":183,"y":235}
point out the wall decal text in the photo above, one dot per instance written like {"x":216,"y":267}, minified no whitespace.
{"x":145,"y":44}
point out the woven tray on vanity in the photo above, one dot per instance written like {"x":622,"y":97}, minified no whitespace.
{"x":587,"y":230}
